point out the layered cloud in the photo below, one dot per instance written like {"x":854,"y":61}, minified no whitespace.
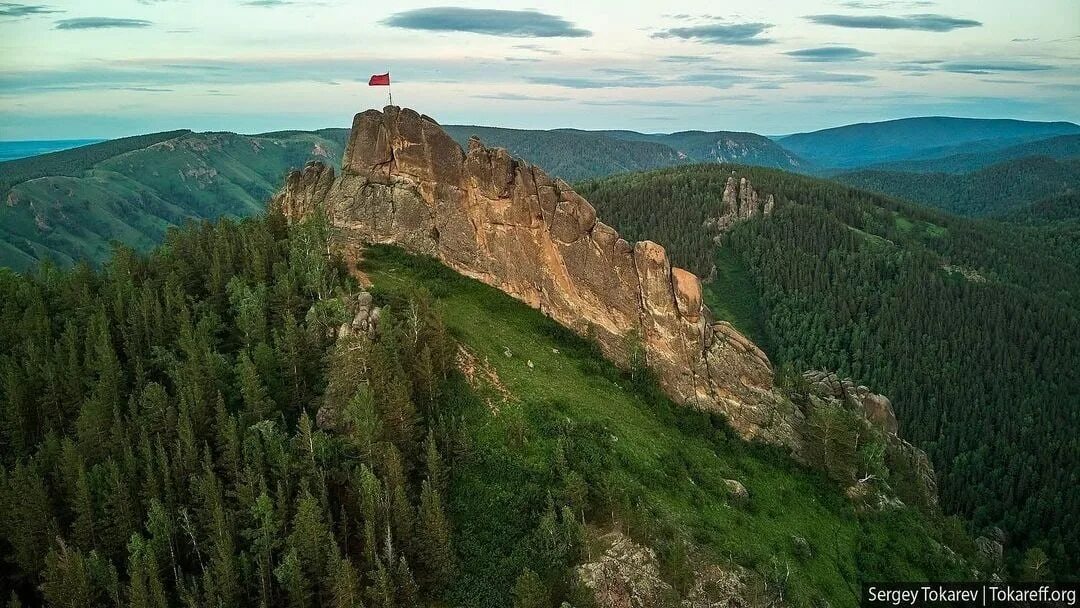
{"x":11,"y":9}
{"x":743,"y":34}
{"x":829,"y":53}
{"x":992,"y":67}
{"x":95,"y":23}
{"x":493,"y":22}
{"x":925,"y":23}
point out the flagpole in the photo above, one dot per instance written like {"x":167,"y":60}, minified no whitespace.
{"x":389,"y":88}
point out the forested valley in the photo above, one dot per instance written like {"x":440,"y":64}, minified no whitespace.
{"x":971,"y":327}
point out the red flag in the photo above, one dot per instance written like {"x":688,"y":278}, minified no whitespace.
{"x":379,"y":80}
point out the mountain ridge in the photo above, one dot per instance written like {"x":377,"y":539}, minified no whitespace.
{"x":490,"y":217}
{"x":905,"y":138}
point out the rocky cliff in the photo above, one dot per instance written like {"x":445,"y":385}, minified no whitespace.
{"x":504,"y":222}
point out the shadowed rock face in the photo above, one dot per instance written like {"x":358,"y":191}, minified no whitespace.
{"x":502,"y":221}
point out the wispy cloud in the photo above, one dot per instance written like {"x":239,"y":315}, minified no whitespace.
{"x":597,"y":82}
{"x":536,"y":48}
{"x":925,"y":23}
{"x":13,"y":10}
{"x":743,"y":34}
{"x":686,"y":59}
{"x":870,"y":5}
{"x":494,"y":22}
{"x":94,"y":23}
{"x":521,"y":97}
{"x":829,"y":53}
{"x":992,"y":67}
{"x":267,"y":3}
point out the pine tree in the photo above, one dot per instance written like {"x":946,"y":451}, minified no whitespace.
{"x":264,"y":541}
{"x":435,"y":469}
{"x":66,"y":579}
{"x":290,"y":575}
{"x":344,"y":581}
{"x":408,"y":593}
{"x":381,"y":591}
{"x":435,"y":552}
{"x":402,"y":517}
{"x":530,"y":592}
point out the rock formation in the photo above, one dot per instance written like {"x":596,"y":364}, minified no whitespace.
{"x":742,"y":202}
{"x":506,"y":223}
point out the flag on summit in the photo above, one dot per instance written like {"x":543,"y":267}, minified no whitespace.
{"x":379,"y":80}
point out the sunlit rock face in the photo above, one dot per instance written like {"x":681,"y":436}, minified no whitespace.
{"x":497,"y":219}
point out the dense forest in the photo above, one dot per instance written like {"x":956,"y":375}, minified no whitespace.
{"x":971,"y":327}
{"x":160,"y":448}
{"x":991,"y":190}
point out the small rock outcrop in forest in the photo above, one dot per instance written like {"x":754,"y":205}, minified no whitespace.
{"x":742,"y":202}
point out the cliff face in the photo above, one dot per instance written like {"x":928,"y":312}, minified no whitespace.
{"x":506,"y":223}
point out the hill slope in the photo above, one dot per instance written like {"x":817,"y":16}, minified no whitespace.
{"x":468,"y":448}
{"x":1062,"y":147}
{"x":992,"y":190}
{"x":723,"y":147}
{"x":69,"y":205}
{"x":972,"y":327}
{"x":914,"y":138}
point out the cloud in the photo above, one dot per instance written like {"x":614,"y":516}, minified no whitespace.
{"x":586,"y":82}
{"x":536,"y":48}
{"x":494,"y":22}
{"x":832,"y":77}
{"x":925,"y":23}
{"x":992,"y":67}
{"x":829,"y":53}
{"x":519,"y":97}
{"x":93,"y":23}
{"x":686,"y":59}
{"x":267,"y":3}
{"x":742,"y":34}
{"x":11,"y":9}
{"x":662,"y":103}
{"x":862,"y":4}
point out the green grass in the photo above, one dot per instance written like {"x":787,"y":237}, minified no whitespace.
{"x":665,"y":465}
{"x":733,"y":297}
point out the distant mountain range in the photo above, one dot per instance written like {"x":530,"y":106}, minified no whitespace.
{"x":67,"y":205}
{"x":865,"y":144}
{"x":11,"y":150}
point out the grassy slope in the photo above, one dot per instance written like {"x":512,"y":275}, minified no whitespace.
{"x":135,"y":195}
{"x":669,"y":462}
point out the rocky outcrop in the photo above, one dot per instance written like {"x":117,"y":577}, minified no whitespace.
{"x":874,"y":407}
{"x":741,"y":202}
{"x":627,"y":575}
{"x":506,"y":223}
{"x":913,"y":476}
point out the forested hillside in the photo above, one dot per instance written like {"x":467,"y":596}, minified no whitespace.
{"x":1063,"y":147}
{"x":928,"y":137}
{"x":989,"y":191}
{"x":572,"y":154}
{"x":68,"y":206}
{"x":159,"y":447}
{"x":971,"y":327}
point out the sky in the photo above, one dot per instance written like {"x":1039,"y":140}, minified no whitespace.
{"x":109,"y":68}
